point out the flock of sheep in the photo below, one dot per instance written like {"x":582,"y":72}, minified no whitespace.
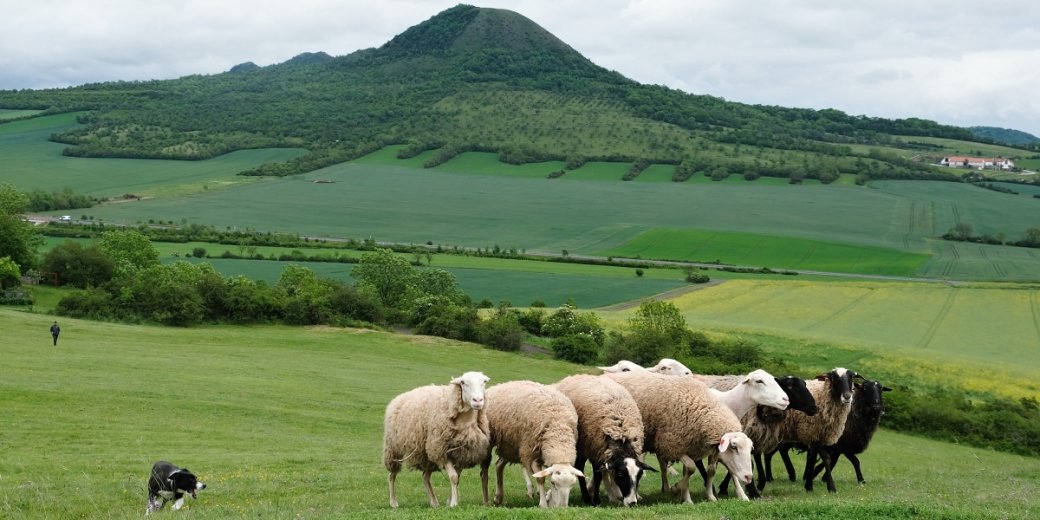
{"x":613,"y":420}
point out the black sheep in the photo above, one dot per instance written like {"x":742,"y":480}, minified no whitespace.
{"x":867,"y":408}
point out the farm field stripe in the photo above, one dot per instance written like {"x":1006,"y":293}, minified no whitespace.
{"x":1034,"y":301}
{"x":842,"y":310}
{"x":937,"y":321}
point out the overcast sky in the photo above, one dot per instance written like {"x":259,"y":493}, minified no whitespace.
{"x":960,"y":62}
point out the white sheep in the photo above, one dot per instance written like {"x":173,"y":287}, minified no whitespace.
{"x":670,"y":367}
{"x":437,"y":427}
{"x":610,"y":436}
{"x":623,"y":366}
{"x":833,"y":394}
{"x":683,"y":422}
{"x":665,"y":367}
{"x":741,"y":393}
{"x":536,"y":426}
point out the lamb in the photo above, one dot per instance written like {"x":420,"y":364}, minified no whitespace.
{"x":868,"y":406}
{"x":761,"y":425}
{"x":833,"y":394}
{"x":437,"y":427}
{"x":666,"y":367}
{"x":683,"y":422}
{"x":534,"y":425}
{"x":610,"y":436}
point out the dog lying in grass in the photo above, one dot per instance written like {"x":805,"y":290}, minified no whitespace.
{"x":168,"y":482}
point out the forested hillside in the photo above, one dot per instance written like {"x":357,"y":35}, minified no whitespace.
{"x":1005,"y":135}
{"x":472,"y":79}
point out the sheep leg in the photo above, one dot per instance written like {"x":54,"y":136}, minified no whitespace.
{"x":760,"y":467}
{"x":855,"y":464}
{"x":739,"y":486}
{"x":527,"y":482}
{"x":542,"y":499}
{"x":429,"y":487}
{"x":826,"y":456}
{"x":787,"y":463}
{"x":724,"y":486}
{"x":391,"y":480}
{"x":484,"y":466}
{"x":665,"y":465}
{"x":500,"y":468}
{"x":810,"y":464}
{"x":684,"y":483}
{"x":769,"y":466}
{"x":453,"y":478}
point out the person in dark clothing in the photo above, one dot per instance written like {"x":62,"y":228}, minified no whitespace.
{"x":55,"y":330}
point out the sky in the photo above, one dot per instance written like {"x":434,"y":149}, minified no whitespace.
{"x":958,"y":62}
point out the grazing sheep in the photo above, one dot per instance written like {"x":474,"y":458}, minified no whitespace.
{"x":762,"y":426}
{"x":868,"y":406}
{"x":437,"y":427}
{"x":610,"y":436}
{"x":682,"y":421}
{"x":670,"y":367}
{"x":536,"y":426}
{"x":665,"y":367}
{"x":623,"y":366}
{"x":833,"y":394}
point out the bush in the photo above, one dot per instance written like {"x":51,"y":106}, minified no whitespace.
{"x":94,"y":304}
{"x":358,"y":304}
{"x":198,"y":252}
{"x":501,"y":332}
{"x":566,"y":322}
{"x":439,"y":316}
{"x":576,"y":348}
{"x":532,"y":320}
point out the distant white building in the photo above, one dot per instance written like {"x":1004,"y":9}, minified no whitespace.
{"x":979,"y":163}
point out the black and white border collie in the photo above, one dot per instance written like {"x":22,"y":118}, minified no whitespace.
{"x":169,"y":482}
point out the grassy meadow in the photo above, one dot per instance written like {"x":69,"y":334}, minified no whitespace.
{"x":285,"y":422}
{"x":764,"y":250}
{"x":31,"y":162}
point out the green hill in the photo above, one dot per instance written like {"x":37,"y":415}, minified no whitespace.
{"x":1004,"y":135}
{"x":471,"y":79}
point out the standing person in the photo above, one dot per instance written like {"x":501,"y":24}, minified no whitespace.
{"x":55,"y":330}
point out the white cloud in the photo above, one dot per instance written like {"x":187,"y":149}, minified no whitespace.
{"x":959,"y":61}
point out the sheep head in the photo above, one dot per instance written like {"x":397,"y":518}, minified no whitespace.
{"x":735,"y":454}
{"x":762,"y":388}
{"x":561,"y":478}
{"x":472,"y":385}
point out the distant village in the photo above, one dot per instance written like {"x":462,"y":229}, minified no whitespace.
{"x":978,"y":163}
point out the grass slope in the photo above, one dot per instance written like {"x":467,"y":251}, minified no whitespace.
{"x":33,"y":162}
{"x":988,"y":333}
{"x":764,"y":250}
{"x":287,"y":422}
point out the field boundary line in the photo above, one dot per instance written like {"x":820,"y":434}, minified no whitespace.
{"x":938,"y":320}
{"x":1034,"y":303}
{"x":845,"y":308}
{"x":667,"y":295}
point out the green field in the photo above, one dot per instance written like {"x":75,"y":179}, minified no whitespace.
{"x":30,"y":161}
{"x":989,"y":332}
{"x":285,"y":422}
{"x":455,"y":204}
{"x":762,"y":250}
{"x":6,"y":113}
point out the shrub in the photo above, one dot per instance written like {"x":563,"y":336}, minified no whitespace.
{"x":577,"y":348}
{"x":532,"y":320}
{"x":565,"y":322}
{"x":501,"y":332}
{"x":198,"y":252}
{"x":439,"y":316}
{"x":95,"y":304}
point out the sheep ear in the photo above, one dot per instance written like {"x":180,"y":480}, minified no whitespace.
{"x":645,"y":466}
{"x":723,"y":444}
{"x":822,"y":377}
{"x":885,"y":389}
{"x":574,"y":471}
{"x":543,"y":473}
